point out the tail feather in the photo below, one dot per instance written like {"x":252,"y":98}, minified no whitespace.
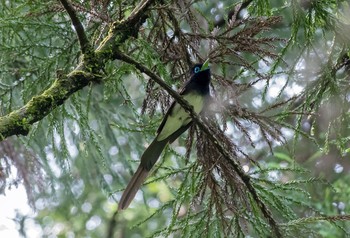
{"x":132,"y":188}
{"x":148,"y":159}
{"x":152,"y":153}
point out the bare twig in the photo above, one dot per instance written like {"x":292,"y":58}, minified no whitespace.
{"x":83,"y":40}
{"x":112,"y":224}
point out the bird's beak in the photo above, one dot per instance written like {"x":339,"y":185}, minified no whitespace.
{"x":205,"y":65}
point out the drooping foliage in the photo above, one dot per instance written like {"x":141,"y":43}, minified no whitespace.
{"x":84,"y":85}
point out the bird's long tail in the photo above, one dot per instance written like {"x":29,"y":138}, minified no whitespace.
{"x":148,"y":159}
{"x":132,"y":188}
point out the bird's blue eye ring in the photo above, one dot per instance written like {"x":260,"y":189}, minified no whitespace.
{"x":197,"y":69}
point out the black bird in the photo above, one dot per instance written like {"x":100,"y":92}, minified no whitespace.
{"x":175,"y":122}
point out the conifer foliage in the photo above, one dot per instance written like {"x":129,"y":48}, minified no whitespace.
{"x":85,"y":84}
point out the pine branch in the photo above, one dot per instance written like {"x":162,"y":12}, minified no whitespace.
{"x":83,"y":40}
{"x":211,"y":136}
{"x":312,"y":219}
{"x":19,"y":121}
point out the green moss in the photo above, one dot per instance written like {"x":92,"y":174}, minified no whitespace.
{"x":38,"y":105}
{"x":25,"y":125}
{"x":89,"y":68}
{"x":15,"y":124}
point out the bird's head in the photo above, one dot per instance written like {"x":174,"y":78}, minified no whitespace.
{"x":200,"y":68}
{"x":201,"y":71}
{"x":200,"y":78}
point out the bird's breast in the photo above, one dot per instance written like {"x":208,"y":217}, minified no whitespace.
{"x":178,"y":117}
{"x":195,"y":100}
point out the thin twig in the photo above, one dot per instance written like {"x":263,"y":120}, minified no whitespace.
{"x":112,"y":224}
{"x":83,"y":40}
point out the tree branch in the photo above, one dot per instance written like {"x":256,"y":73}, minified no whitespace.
{"x":112,"y":224}
{"x":127,"y":28}
{"x":83,"y":40}
{"x":211,"y":136}
{"x":19,"y":121}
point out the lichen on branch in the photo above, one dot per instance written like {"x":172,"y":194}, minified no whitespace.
{"x":19,"y":121}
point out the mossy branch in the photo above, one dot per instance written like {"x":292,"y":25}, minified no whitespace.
{"x":19,"y":121}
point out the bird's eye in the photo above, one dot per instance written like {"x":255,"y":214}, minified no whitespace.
{"x":197,"y":69}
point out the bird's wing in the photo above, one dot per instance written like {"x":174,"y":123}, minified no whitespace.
{"x":165,"y":118}
{"x":170,"y":109}
{"x":179,"y":117}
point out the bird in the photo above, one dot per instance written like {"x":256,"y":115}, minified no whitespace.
{"x":175,"y":122}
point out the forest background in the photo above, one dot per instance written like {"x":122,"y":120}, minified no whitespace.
{"x":85,"y":84}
